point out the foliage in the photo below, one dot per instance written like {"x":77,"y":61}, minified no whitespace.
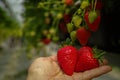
{"x":44,"y":22}
{"x":42,"y":15}
{"x":8,"y":26}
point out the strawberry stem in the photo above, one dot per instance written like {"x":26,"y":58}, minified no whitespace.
{"x":95,"y":4}
{"x":98,"y":53}
{"x":53,"y":2}
{"x":92,"y":4}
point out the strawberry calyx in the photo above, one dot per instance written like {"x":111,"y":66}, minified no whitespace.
{"x":98,"y":54}
{"x":66,"y":42}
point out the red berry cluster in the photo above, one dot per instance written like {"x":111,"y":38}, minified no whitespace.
{"x":85,"y":20}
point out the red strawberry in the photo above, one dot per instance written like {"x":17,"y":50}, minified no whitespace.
{"x":63,"y":27}
{"x":67,"y":18}
{"x":67,"y":57}
{"x":46,"y":41}
{"x":68,"y":2}
{"x":99,"y":5}
{"x":83,"y":35}
{"x":95,"y":25}
{"x":86,"y":60}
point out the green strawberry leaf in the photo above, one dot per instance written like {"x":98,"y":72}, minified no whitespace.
{"x":66,"y":42}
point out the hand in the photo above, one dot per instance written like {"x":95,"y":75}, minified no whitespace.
{"x":47,"y":68}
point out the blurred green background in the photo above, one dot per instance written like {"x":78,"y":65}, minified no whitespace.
{"x":23,"y":25}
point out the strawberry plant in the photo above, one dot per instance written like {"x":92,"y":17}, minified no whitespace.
{"x":85,"y":20}
{"x":70,"y":23}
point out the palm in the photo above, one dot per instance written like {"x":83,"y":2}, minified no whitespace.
{"x":47,"y":68}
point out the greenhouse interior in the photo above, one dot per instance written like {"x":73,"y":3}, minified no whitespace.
{"x":78,"y":34}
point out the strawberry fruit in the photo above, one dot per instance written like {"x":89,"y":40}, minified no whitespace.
{"x":67,"y":57}
{"x":77,"y":20}
{"x":95,"y":24}
{"x":84,"y":4}
{"x":70,"y":27}
{"x":62,"y":27}
{"x":86,"y":59}
{"x":83,"y":35}
{"x":99,"y":5}
{"x":67,"y":18}
{"x":92,"y":16}
{"x":68,"y":2}
{"x":46,"y":41}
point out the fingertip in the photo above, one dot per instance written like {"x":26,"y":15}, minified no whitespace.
{"x":106,"y":68}
{"x":105,"y":61}
{"x":93,"y":73}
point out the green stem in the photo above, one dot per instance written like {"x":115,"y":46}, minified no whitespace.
{"x":92,"y":4}
{"x":46,"y":5}
{"x":57,"y":25}
{"x":45,"y":8}
{"x":95,"y":5}
{"x":100,"y":55}
{"x":54,"y":22}
{"x":84,"y":23}
{"x":53,"y":2}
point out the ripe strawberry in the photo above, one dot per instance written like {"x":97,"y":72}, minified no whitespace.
{"x":83,"y":35}
{"x":67,"y":57}
{"x":99,"y":5}
{"x":95,"y":25}
{"x":46,"y":41}
{"x":67,"y":18}
{"x":63,"y":27}
{"x":68,"y":2}
{"x":86,"y":59}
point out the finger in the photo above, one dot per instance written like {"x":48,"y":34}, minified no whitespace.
{"x":96,"y":72}
{"x":77,"y":76}
{"x":105,"y":62}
